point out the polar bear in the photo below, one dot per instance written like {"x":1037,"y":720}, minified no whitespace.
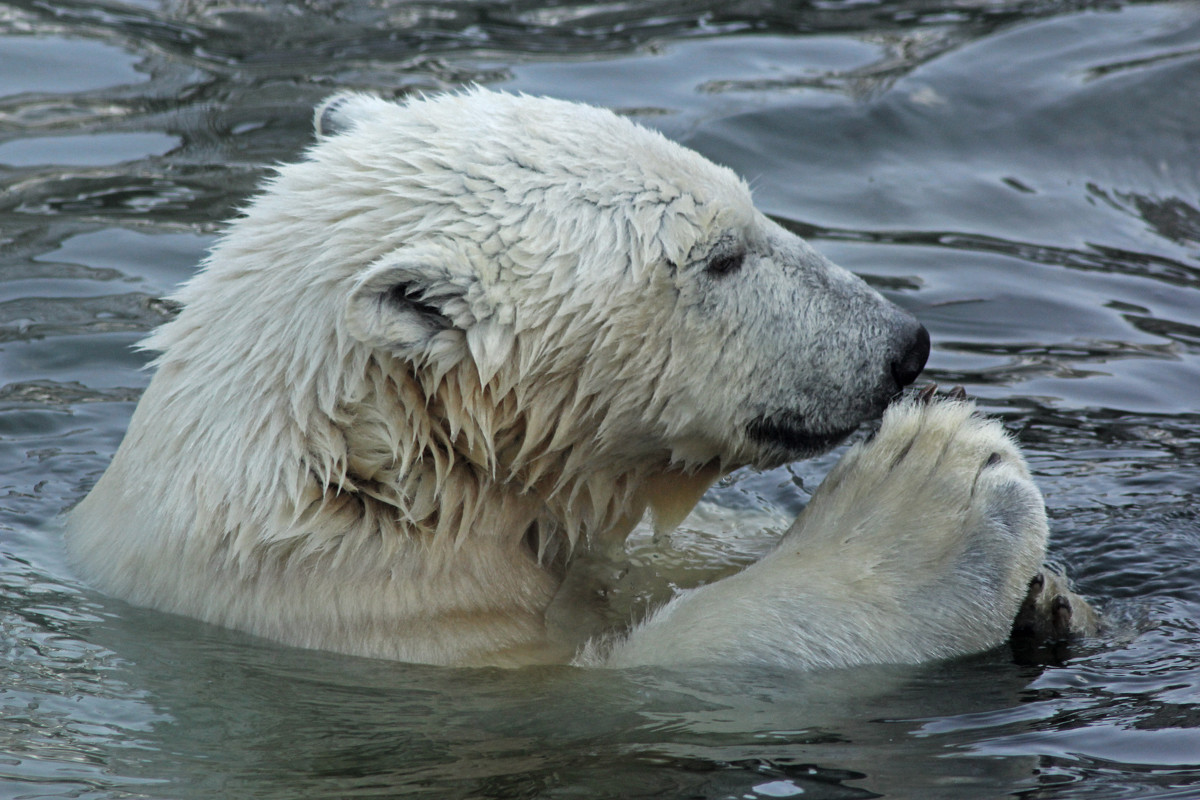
{"x":471,"y":336}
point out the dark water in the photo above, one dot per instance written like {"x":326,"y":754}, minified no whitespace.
{"x":1022,"y":175}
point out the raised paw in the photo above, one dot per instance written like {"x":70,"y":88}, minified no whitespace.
{"x":935,"y":519}
{"x":919,"y":545}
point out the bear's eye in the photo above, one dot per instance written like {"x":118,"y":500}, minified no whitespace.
{"x":726,"y":264}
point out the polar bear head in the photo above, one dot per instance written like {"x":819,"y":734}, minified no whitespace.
{"x":529,"y":289}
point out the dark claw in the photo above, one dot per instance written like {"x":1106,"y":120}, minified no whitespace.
{"x":957,"y":393}
{"x":926,"y":395}
{"x":1061,"y":611}
{"x":1036,"y":583}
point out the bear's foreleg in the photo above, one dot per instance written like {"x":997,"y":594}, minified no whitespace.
{"x":921,"y":544}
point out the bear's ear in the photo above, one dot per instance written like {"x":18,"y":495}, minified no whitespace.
{"x":339,"y":112}
{"x":411,"y":303}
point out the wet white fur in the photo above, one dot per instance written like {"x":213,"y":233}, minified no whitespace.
{"x":321,"y":463}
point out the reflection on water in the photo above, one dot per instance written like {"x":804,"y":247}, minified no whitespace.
{"x":1023,"y":176}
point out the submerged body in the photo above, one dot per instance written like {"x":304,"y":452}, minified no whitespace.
{"x":471,"y":337}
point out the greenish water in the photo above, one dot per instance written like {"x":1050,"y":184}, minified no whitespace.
{"x":1023,"y":176}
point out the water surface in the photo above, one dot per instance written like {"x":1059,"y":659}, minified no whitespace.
{"x":1021,"y":175}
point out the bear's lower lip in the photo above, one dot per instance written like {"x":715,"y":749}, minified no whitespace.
{"x":786,"y":430}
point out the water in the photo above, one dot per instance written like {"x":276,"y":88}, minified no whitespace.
{"x":1022,"y":175}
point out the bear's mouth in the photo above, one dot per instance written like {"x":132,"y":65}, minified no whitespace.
{"x":787,"y":431}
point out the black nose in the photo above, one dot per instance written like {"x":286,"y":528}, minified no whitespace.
{"x":908,"y":366}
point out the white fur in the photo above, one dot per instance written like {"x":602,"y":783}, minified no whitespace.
{"x":472,"y":337}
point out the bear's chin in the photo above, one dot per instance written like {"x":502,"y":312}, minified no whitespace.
{"x":784,"y":438}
